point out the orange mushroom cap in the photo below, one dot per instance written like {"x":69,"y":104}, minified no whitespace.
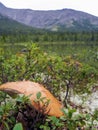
{"x":31,"y":89}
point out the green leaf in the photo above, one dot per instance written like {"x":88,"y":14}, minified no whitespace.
{"x":71,"y":112}
{"x":38,"y":95}
{"x":1,"y":110}
{"x":44,"y":127}
{"x":18,"y":126}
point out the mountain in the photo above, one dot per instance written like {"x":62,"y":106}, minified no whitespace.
{"x":8,"y":25}
{"x":55,"y":20}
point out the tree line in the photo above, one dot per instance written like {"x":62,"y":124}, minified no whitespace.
{"x":41,"y":36}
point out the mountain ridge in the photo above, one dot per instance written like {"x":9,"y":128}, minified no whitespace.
{"x":54,"y":20}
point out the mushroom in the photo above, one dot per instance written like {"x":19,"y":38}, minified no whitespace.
{"x":31,"y":89}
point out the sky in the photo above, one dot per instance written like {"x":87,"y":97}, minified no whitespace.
{"x":89,"y":6}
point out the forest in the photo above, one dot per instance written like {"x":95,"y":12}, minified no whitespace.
{"x":65,"y":63}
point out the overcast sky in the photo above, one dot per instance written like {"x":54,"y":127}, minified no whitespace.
{"x":89,"y":6}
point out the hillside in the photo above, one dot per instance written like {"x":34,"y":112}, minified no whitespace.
{"x":8,"y":25}
{"x":57,"y":20}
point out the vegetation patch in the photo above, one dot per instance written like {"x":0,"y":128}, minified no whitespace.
{"x":58,"y":74}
